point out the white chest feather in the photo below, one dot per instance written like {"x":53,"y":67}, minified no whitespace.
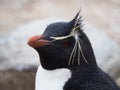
{"x":51,"y":79}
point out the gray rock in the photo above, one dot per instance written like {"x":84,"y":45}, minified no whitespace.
{"x":15,"y":53}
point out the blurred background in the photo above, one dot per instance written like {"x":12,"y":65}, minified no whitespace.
{"x":20,"y":19}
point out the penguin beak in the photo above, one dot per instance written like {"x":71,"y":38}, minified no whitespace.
{"x":37,"y":41}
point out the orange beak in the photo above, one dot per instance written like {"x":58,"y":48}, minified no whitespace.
{"x":37,"y":41}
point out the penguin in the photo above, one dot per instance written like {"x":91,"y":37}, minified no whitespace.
{"x":67,"y":59}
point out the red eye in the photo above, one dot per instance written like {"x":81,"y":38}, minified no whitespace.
{"x":65,"y":44}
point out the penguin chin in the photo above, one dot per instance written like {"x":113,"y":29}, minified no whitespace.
{"x":52,"y":57}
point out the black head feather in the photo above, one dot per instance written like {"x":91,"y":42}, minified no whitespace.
{"x":77,"y":20}
{"x":57,"y":53}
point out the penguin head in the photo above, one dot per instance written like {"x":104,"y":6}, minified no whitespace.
{"x":63,"y":45}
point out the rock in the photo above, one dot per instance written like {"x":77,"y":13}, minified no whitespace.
{"x":17,"y":80}
{"x":17,"y":55}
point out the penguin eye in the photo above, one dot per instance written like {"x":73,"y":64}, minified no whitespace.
{"x":65,"y":44}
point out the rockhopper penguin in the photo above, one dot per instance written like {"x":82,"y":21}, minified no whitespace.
{"x":67,"y":59}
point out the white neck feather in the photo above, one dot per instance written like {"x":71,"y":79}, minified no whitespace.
{"x":51,"y":79}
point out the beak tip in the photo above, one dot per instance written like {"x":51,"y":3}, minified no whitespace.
{"x":28,"y":43}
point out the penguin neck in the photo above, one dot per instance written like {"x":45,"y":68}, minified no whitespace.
{"x":91,"y":63}
{"x":83,"y":65}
